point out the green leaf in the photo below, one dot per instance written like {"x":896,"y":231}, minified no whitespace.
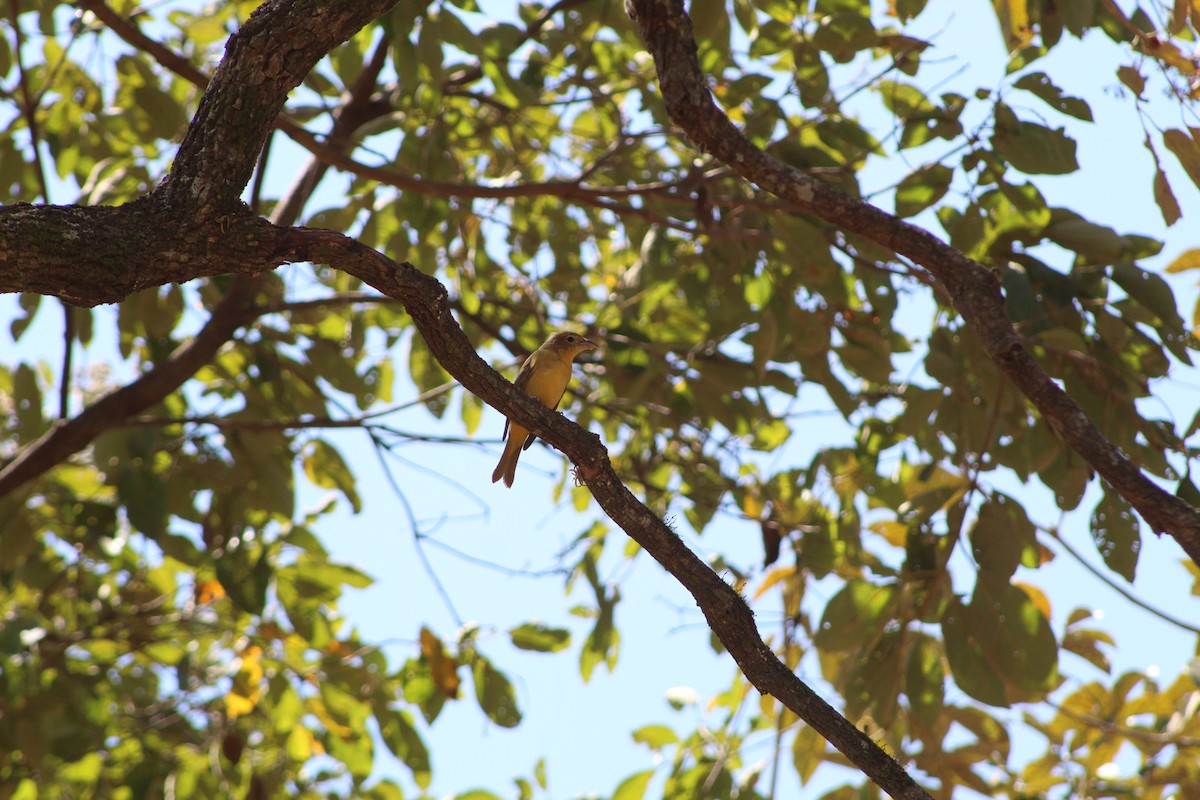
{"x":1003,"y":537}
{"x":144,"y":496}
{"x":710,"y":24}
{"x":707,"y":779}
{"x":1015,"y":637}
{"x":428,"y":375}
{"x":922,"y":188}
{"x":1039,"y":84}
{"x":656,"y":737}
{"x":854,"y":615}
{"x":908,"y":9}
{"x":472,"y":412}
{"x":495,"y":694}
{"x":1151,"y":292}
{"x":1165,"y":198}
{"x":86,"y":770}
{"x":401,"y":737}
{"x":1085,"y":643}
{"x":603,"y":644}
{"x":1186,"y":150}
{"x":1115,"y":531}
{"x":421,"y":689}
{"x":924,"y":680}
{"x":1013,"y":16}
{"x":972,"y":672}
{"x":324,"y":466}
{"x":875,"y":680}
{"x":1132,"y":78}
{"x":1186,"y":490}
{"x":770,"y":435}
{"x":29,"y":303}
{"x":386,"y":789}
{"x":1032,"y":148}
{"x":540,"y":638}
{"x":245,"y":578}
{"x":634,"y":787}
{"x":27,"y":398}
{"x":808,"y":752}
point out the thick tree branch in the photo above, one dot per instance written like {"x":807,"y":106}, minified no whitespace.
{"x":726,"y":612}
{"x":279,"y":44}
{"x":973,"y":288}
{"x":40,"y":252}
{"x":135,"y":247}
{"x":427,"y":301}
{"x":67,"y":437}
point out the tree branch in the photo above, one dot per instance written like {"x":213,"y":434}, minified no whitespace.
{"x":39,"y":252}
{"x":279,"y":44}
{"x":973,"y":288}
{"x":137,"y":246}
{"x":727,"y":613}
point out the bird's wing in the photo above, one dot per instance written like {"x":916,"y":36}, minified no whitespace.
{"x":526,"y":371}
{"x":521,"y":382}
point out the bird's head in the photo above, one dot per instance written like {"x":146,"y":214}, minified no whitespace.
{"x":568,"y":344}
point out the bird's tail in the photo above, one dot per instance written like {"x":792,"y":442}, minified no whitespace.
{"x":507,"y":468}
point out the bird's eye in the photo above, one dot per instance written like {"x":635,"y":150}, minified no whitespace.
{"x":571,"y":339}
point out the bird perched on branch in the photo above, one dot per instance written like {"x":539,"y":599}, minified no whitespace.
{"x":544,"y":376}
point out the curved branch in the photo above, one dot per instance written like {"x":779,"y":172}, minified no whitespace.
{"x":134,"y":247}
{"x":119,"y":241}
{"x":972,"y":287}
{"x":330,"y":151}
{"x":726,"y":612}
{"x":67,"y":437}
{"x":279,"y":44}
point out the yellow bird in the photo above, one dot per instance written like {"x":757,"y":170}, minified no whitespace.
{"x":544,"y":376}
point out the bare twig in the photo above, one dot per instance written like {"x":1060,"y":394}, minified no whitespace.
{"x":1118,"y":588}
{"x":973,"y":289}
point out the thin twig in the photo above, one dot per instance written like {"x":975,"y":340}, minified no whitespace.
{"x":415,"y":530}
{"x":1116,"y":587}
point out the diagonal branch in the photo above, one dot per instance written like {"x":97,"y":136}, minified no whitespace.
{"x":67,"y":437}
{"x":726,"y":612}
{"x":135,"y":247}
{"x":279,"y":44}
{"x":973,"y":288}
{"x":250,"y":245}
{"x":80,"y":283}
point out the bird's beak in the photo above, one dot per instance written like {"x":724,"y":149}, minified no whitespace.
{"x":588,"y":344}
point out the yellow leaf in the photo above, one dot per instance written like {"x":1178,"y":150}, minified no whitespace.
{"x":1037,"y":596}
{"x":247,"y":684}
{"x":773,"y":577}
{"x":1013,"y":16}
{"x":1188,"y":259}
{"x":208,"y":592}
{"x":236,"y":705}
{"x":317,"y":707}
{"x":444,"y":667}
{"x":753,"y":505}
{"x":894,"y":533}
{"x":302,"y":745}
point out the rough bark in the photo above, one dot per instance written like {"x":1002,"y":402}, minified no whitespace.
{"x":973,"y":288}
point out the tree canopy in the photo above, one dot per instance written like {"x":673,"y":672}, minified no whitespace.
{"x":761,"y":208}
